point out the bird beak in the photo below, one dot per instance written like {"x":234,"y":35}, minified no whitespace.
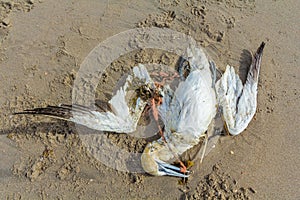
{"x":170,"y":170}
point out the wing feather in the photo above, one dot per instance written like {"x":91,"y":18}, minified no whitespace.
{"x":238,"y":102}
{"x":119,"y":117}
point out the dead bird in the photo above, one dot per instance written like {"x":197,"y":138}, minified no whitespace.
{"x":186,"y":112}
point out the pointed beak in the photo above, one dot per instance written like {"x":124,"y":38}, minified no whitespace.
{"x":170,"y":170}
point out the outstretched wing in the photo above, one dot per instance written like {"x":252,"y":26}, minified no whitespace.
{"x":120,"y":116}
{"x":238,"y":101}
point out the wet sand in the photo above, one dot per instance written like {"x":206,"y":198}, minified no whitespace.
{"x":42,"y":46}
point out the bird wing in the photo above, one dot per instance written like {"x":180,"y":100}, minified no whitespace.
{"x":238,"y":101}
{"x":121,"y":116}
{"x":193,"y":106}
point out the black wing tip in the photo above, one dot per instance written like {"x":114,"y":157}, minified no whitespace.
{"x":261,"y":48}
{"x":27,"y":111}
{"x":22,"y":113}
{"x":52,"y":111}
{"x":19,"y":113}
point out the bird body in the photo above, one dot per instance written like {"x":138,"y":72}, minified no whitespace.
{"x":186,"y":112}
{"x":191,"y":111}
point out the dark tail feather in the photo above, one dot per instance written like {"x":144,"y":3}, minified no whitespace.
{"x":64,"y":112}
{"x":59,"y":112}
{"x":255,"y":65}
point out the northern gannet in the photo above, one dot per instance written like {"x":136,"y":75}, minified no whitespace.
{"x":185,"y":112}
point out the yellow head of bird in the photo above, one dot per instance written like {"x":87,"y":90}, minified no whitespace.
{"x":154,"y":160}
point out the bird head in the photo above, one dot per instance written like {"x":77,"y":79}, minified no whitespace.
{"x":154,"y":160}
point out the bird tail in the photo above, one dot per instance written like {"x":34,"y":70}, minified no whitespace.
{"x":255,"y":65}
{"x":64,"y":112}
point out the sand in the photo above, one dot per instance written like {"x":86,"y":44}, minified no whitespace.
{"x":42,"y":45}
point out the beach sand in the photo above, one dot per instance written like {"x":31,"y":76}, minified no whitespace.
{"x":42,"y":45}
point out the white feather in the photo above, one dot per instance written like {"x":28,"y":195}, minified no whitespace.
{"x":237,"y":102}
{"x":123,"y":119}
{"x":188,"y":113}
